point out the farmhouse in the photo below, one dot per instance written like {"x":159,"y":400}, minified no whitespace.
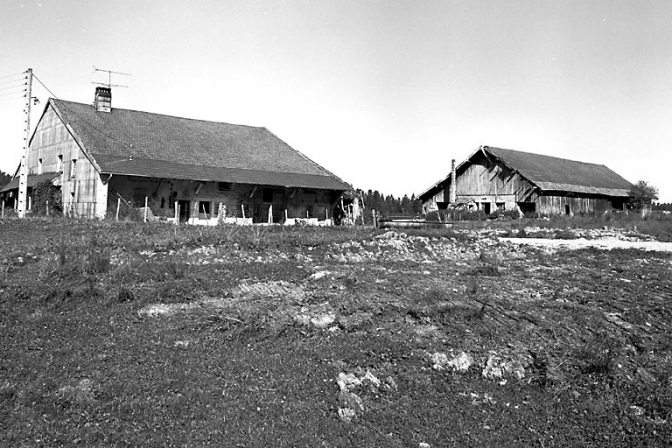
{"x":195,"y":171}
{"x":494,"y":178}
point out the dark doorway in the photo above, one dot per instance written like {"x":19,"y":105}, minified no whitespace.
{"x":486,"y":208}
{"x":184,"y":210}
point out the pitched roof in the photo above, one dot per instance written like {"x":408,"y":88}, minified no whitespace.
{"x":153,"y":145}
{"x":33,"y":179}
{"x":553,"y":173}
{"x":556,"y":174}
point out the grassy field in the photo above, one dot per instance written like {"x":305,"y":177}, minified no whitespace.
{"x":125,"y":334}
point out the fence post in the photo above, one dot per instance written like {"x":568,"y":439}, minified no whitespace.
{"x":145,"y":219}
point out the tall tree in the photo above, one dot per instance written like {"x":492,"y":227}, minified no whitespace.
{"x":642,"y":194}
{"x":4,"y":178}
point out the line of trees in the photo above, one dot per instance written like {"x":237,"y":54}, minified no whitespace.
{"x":389,"y":205}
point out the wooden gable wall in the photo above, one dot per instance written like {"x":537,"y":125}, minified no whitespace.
{"x":84,"y":194}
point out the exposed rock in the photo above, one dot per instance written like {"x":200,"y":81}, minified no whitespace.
{"x":355,"y":321}
{"x":459,"y":363}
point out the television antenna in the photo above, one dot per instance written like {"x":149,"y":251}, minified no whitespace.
{"x":109,"y":77}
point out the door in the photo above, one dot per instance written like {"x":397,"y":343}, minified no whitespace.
{"x":184,"y":210}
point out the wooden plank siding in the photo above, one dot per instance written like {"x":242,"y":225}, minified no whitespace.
{"x":84,"y":193}
{"x":557,"y":203}
{"x":486,"y":178}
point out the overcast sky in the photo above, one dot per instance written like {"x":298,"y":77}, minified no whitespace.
{"x":382,"y":93}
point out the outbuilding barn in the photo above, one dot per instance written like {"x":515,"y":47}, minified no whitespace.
{"x":495,"y":178}
{"x":196,"y":171}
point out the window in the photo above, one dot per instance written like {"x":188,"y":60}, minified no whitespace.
{"x":224,"y":186}
{"x":73,"y":168}
{"x":204,"y":209}
{"x":268,"y":195}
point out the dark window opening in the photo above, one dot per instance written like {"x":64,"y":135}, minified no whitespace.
{"x":224,"y":186}
{"x":568,"y":210}
{"x":183,"y":207}
{"x":163,"y":202}
{"x":268,"y":195}
{"x":204,"y":209}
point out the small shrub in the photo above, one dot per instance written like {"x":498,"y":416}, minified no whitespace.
{"x":598,"y":354}
{"x":125,"y":295}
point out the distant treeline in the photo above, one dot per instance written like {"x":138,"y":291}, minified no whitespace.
{"x":389,"y":205}
{"x":667,"y":206}
{"x":4,"y":178}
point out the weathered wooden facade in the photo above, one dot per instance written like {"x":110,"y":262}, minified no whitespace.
{"x":495,"y":178}
{"x":195,"y":171}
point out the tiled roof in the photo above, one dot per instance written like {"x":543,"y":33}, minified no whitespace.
{"x":552,"y":173}
{"x":147,"y":144}
{"x":556,"y":174}
{"x":33,"y":179}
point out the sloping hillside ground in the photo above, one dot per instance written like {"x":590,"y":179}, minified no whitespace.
{"x":134,"y":335}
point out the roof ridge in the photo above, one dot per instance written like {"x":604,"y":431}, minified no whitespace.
{"x":166,"y":115}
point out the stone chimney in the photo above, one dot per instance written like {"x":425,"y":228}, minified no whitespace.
{"x":452,"y":192}
{"x":103,"y":99}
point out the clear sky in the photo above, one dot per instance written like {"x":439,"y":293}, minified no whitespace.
{"x":382,"y":93}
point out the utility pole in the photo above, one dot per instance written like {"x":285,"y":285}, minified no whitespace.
{"x":23,"y":171}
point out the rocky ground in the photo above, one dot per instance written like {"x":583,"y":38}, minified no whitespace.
{"x":467,"y":337}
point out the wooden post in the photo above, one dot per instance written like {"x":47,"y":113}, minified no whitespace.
{"x":270,"y":214}
{"x":242,"y":207}
{"x":285,"y":214}
{"x":118,"y":207}
{"x":326,"y":213}
{"x":145,"y":219}
{"x":47,"y":203}
{"x":373,"y":215}
{"x":177,"y":212}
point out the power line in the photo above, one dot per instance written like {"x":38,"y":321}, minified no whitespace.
{"x":7,"y":100}
{"x":13,"y":93}
{"x":16,"y":74}
{"x":12,"y":81}
{"x":14,"y":85}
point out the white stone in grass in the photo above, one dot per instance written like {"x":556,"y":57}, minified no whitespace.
{"x":320,"y":274}
{"x":459,"y":363}
{"x":346,"y":414}
{"x":323,"y":320}
{"x":347,"y":381}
